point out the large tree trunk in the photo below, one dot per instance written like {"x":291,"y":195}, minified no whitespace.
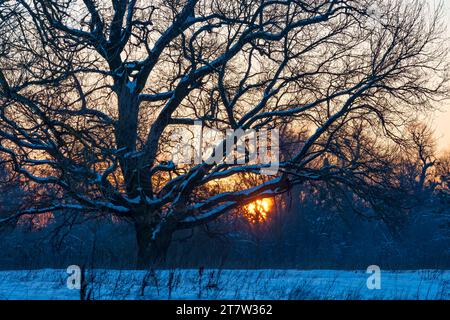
{"x":152,"y":244}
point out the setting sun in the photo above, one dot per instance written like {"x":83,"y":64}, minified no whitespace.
{"x":258,"y":210}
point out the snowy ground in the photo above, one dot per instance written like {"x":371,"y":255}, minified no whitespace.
{"x":227,"y":284}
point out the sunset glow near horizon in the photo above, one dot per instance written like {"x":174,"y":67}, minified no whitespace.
{"x":258,"y":210}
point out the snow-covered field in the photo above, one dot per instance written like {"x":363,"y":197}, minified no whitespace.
{"x":226,"y":284}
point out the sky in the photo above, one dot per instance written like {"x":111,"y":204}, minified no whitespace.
{"x":441,"y":120}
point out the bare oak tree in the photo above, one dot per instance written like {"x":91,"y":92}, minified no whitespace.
{"x":90,"y":89}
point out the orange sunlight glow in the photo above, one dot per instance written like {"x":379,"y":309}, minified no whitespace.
{"x":258,"y":210}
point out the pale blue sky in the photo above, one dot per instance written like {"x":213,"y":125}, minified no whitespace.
{"x":441,"y":121}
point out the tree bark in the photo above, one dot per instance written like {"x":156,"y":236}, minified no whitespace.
{"x":152,"y":244}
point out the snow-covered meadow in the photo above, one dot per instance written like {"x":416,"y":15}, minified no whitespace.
{"x":226,"y":284}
